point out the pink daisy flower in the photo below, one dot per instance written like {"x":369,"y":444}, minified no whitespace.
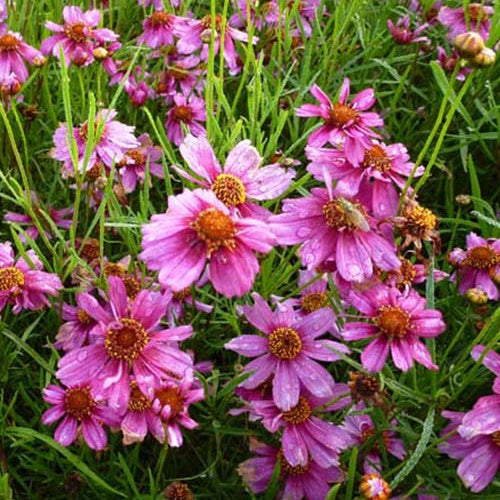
{"x":83,"y":412}
{"x":14,"y":51}
{"x":479,"y":454}
{"x":347,"y":124}
{"x":397,"y":321}
{"x":287,"y":352}
{"x":130,"y":339}
{"x":307,"y":11}
{"x":478,"y":265}
{"x":240,"y":180}
{"x":383,"y":167}
{"x":454,"y":19}
{"x":334,"y":228}
{"x":402,"y":34}
{"x":77,"y":36}
{"x":23,"y":285}
{"x":198,"y":228}
{"x":492,"y":361}
{"x":134,"y":164}
{"x":189,"y":111}
{"x":182,"y":76}
{"x":159,"y":29}
{"x":311,"y":481}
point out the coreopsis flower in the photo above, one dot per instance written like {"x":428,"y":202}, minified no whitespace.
{"x":397,"y":320}
{"x":331,"y":227}
{"x":178,"y":491}
{"x":23,"y":284}
{"x":189,"y":111}
{"x":478,"y":266}
{"x":195,"y":34}
{"x":159,"y":29}
{"x":491,"y":360}
{"x":307,"y":11}
{"x":410,"y":274}
{"x":14,"y":51}
{"x":181,"y":76}
{"x":310,"y":481}
{"x":286,"y":351}
{"x":130,"y":340}
{"x":361,"y":430}
{"x":374,"y":487}
{"x":83,"y":411}
{"x":198,"y":229}
{"x":456,"y":22}
{"x":114,"y":141}
{"x":77,"y":36}
{"x":136,"y":87}
{"x":449,"y":62}
{"x":479,"y":454}
{"x":61,"y":218}
{"x":402,"y":34}
{"x":136,"y":161}
{"x":344,"y":124}
{"x":305,"y":435}
{"x":240,"y":180}
{"x":384,"y":167}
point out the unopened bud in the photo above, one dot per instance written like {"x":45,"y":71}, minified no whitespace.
{"x":100,"y":53}
{"x":469,"y":44}
{"x":374,"y":487}
{"x":462,"y":199}
{"x":484,"y":59}
{"x":39,"y":61}
{"x":476,"y":296}
{"x":178,"y":491}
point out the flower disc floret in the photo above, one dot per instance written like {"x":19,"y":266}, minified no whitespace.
{"x":483,"y":257}
{"x":138,"y":400}
{"x":290,"y":470}
{"x":172,"y":397}
{"x":77,"y":32}
{"x":216,"y":229}
{"x":420,"y":219}
{"x":229,"y":189}
{"x":79,"y":403}
{"x":393,"y":321}
{"x":299,"y":413}
{"x":313,"y":301}
{"x":341,"y":114}
{"x":10,"y":277}
{"x":160,"y":18}
{"x":495,"y":437}
{"x":182,"y":113}
{"x":9,"y":43}
{"x":337,"y":217}
{"x":377,"y":158}
{"x":83,"y":317}
{"x":285,"y":343}
{"x":127,"y":341}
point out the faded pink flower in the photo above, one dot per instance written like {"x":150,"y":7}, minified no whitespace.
{"x":402,"y":34}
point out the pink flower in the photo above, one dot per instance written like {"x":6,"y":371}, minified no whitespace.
{"x":130,"y":340}
{"x":23,"y":285}
{"x":286,"y":352}
{"x":334,"y":228}
{"x":491,"y":360}
{"x":448,"y":63}
{"x":159,"y":29}
{"x":198,"y":228}
{"x":82,"y":411}
{"x":77,"y":36}
{"x":307,"y":11}
{"x":240,"y":180}
{"x":479,"y":453}
{"x":114,"y":141}
{"x":197,"y":33}
{"x":183,"y":76}
{"x":346,"y":124}
{"x":454,"y":20}
{"x":397,"y":321}
{"x":383,"y":167}
{"x":136,"y":161}
{"x":189,"y":111}
{"x":14,"y":51}
{"x":311,"y":481}
{"x":402,"y":34}
{"x":478,"y":266}
{"x":3,"y":10}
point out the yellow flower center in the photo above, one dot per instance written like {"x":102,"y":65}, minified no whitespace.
{"x":340,"y":214}
{"x":76,"y":32}
{"x":290,"y":470}
{"x":420,"y":219}
{"x":126,"y":342}
{"x":10,"y":277}
{"x":377,"y":158}
{"x":495,"y":437}
{"x":138,"y":400}
{"x":299,"y":413}
{"x":285,"y":343}
{"x":83,"y":317}
{"x":229,"y":189}
{"x":313,"y":301}
{"x":482,"y":257}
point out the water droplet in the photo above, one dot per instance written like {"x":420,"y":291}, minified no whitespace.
{"x":82,"y":356}
{"x":303,"y":232}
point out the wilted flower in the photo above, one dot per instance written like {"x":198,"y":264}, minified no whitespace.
{"x":402,"y":34}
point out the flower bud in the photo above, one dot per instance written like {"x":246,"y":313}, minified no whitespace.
{"x":476,"y":296}
{"x":484,"y":59}
{"x":469,"y":44}
{"x":374,"y":487}
{"x":39,"y":61}
{"x":100,"y":53}
{"x":462,"y":199}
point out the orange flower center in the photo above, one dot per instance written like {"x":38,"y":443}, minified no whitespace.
{"x":182,"y":114}
{"x":285,"y":343}
{"x":377,"y":158}
{"x":482,"y":257}
{"x":313,"y":301}
{"x":177,"y":73}
{"x":83,"y":317}
{"x":138,"y":401}
{"x":9,"y":43}
{"x":10,"y":277}
{"x":421,"y":219}
{"x":207,"y":22}
{"x":406,"y":273}
{"x":132,"y":286}
{"x":341,"y":115}
{"x":362,"y":385}
{"x":495,"y":437}
{"x":393,"y":321}
{"x":170,"y":396}
{"x":76,"y":32}
{"x":126,"y":342}
{"x":216,"y":229}
{"x":229,"y":189}
{"x":182,"y":294}
{"x":370,"y":487}
{"x":79,"y":403}
{"x":290,"y":470}
{"x":477,"y":13}
{"x":159,"y":18}
{"x":137,"y":157}
{"x":299,"y":413}
{"x":340,"y":214}
{"x":114,"y":269}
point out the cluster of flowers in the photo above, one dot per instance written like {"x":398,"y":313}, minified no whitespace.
{"x":473,"y":20}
